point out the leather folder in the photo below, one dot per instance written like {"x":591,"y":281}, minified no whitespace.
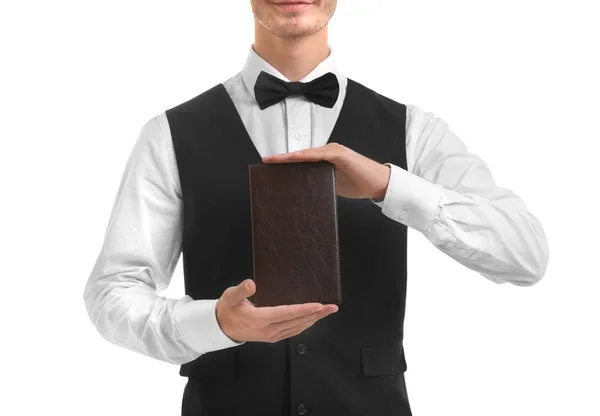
{"x":295,"y":241}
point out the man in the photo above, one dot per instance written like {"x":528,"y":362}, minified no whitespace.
{"x":185,"y":190}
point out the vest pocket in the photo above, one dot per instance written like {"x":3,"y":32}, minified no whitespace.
{"x":215,"y":365}
{"x":382,"y":359}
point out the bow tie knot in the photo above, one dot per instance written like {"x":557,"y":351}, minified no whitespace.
{"x":295,"y":88}
{"x":270,"y":90}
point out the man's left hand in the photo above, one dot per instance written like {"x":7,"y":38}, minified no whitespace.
{"x":356,"y":175}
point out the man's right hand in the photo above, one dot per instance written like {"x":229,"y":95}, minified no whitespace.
{"x":241,"y":321}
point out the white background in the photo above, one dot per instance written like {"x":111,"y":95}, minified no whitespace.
{"x":517,"y":81}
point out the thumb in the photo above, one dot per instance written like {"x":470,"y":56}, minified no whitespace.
{"x":237,"y":294}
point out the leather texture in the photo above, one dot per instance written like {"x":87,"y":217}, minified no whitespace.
{"x":295,"y":233}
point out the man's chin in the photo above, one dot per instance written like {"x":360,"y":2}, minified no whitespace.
{"x":291,"y":31}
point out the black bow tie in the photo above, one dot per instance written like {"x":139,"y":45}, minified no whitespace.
{"x":270,"y":90}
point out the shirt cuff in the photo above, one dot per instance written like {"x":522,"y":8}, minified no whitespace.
{"x":410,"y":199}
{"x":196,"y":324}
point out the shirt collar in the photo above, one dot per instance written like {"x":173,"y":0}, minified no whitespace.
{"x":255,"y":64}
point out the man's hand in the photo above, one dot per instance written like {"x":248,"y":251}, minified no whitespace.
{"x":241,"y":321}
{"x":356,"y":175}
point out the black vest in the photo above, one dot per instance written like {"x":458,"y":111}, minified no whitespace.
{"x":350,"y":363}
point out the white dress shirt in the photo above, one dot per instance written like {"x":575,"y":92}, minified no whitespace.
{"x":447,"y":194}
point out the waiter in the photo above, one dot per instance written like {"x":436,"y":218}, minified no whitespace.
{"x":185,"y":190}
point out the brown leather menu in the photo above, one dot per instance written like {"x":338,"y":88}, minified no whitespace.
{"x":294,"y":233}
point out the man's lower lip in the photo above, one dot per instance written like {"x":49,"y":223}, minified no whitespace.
{"x":293,"y":7}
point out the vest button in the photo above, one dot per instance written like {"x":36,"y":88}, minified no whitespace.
{"x":301,"y":349}
{"x":301,"y":409}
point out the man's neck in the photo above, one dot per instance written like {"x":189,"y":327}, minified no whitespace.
{"x":294,"y":58}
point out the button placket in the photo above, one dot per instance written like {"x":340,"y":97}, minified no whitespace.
{"x":298,"y":123}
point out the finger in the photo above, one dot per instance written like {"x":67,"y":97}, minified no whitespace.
{"x":290,"y":332}
{"x":236,"y":294}
{"x":271,"y":314}
{"x":284,"y":325}
{"x":329,"y":153}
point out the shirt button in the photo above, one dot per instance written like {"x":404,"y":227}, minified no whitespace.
{"x":301,"y":349}
{"x":449,"y":244}
{"x":299,"y":135}
{"x":301,"y":409}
